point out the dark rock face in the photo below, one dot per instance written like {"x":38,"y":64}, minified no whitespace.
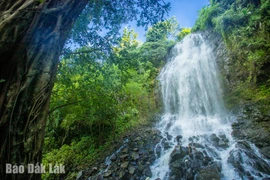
{"x":133,"y":159}
{"x":219,"y":142}
{"x":242,"y":157}
{"x":265,"y":151}
{"x":252,"y":125}
{"x":192,"y":163}
{"x":208,"y":172}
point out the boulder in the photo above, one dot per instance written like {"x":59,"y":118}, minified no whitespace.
{"x":179,"y":138}
{"x":107,"y":173}
{"x":124,"y":165}
{"x":208,"y":172}
{"x":265,"y":151}
{"x":158,"y":151}
{"x":214,"y":139}
{"x":178,"y":153}
{"x":131,"y":170}
{"x":147,"y":172}
{"x":80,"y":175}
{"x":135,"y":156}
{"x":113,"y":157}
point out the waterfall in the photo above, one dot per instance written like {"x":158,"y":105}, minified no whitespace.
{"x":190,"y":88}
{"x":194,"y":117}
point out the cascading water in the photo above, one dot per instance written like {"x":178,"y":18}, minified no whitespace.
{"x":195,"y":119}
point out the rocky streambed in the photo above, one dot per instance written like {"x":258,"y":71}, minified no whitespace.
{"x":248,"y":154}
{"x":131,"y":160}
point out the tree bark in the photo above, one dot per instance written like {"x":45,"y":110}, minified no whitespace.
{"x":32,"y":36}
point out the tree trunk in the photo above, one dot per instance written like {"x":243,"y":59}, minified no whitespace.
{"x":32,"y":36}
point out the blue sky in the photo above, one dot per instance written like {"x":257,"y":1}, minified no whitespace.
{"x":185,"y":12}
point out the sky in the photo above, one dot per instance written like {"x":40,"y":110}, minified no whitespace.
{"x":186,"y":13}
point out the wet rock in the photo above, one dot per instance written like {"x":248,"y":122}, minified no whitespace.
{"x":242,"y":158}
{"x":141,"y":167}
{"x":185,"y":162}
{"x":121,"y":174}
{"x":80,"y":176}
{"x":178,"y":153}
{"x":212,"y":152}
{"x":199,"y":155}
{"x":125,"y":150}
{"x":243,"y":145}
{"x":193,"y":139}
{"x":137,"y":139}
{"x":256,"y":162}
{"x":198,"y":145}
{"x":265,"y":151}
{"x":113,"y":158}
{"x":178,"y":139}
{"x":93,"y":170}
{"x":195,"y":164}
{"x":107,"y":173}
{"x":158,"y":151}
{"x":124,"y":175}
{"x":131,"y":170}
{"x":223,"y":144}
{"x":189,"y":174}
{"x":124,"y":165}
{"x":134,"y":160}
{"x":147,"y":172}
{"x":206,"y":160}
{"x":175,"y":174}
{"x":208,"y":172}
{"x":176,"y":164}
{"x":222,"y":136}
{"x":165,"y":144}
{"x":253,"y":125}
{"x":155,"y":132}
{"x":214,"y":139}
{"x":236,"y":160}
{"x":238,"y":134}
{"x":135,"y":156}
{"x":124,"y":157}
{"x":169,"y":137}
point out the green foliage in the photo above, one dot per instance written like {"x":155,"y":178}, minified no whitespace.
{"x":73,"y":156}
{"x":101,"y":20}
{"x":245,"y":28}
{"x":160,"y":38}
{"x":183,"y":33}
{"x":206,"y":15}
{"x":98,"y":97}
{"x":162,"y":30}
{"x":155,"y":52}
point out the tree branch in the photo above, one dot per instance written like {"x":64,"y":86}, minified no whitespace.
{"x":64,"y":6}
{"x":64,"y":105}
{"x":82,"y":52}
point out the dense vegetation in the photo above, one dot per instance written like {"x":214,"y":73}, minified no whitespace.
{"x":32,"y":38}
{"x":245,"y":29}
{"x":98,"y":97}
